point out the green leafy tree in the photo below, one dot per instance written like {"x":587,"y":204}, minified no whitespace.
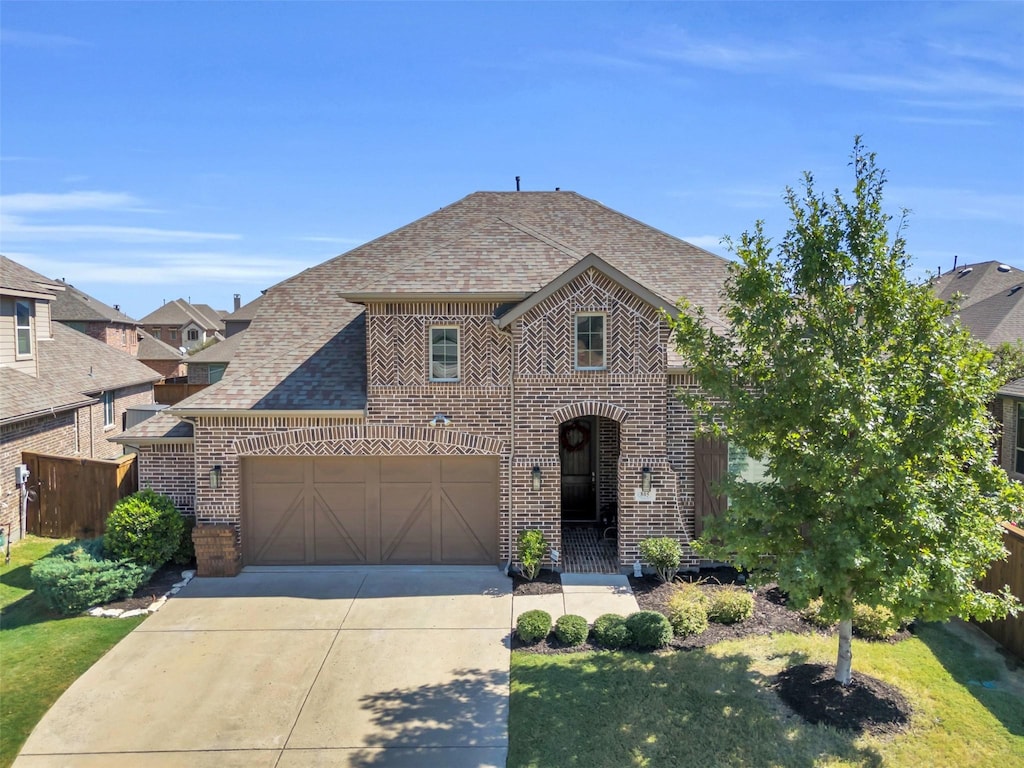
{"x":868,"y":410}
{"x":1008,"y":361}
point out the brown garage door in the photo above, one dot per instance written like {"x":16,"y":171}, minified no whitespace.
{"x":392,"y":510}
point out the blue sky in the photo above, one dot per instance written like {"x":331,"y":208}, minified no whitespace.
{"x":151,"y":151}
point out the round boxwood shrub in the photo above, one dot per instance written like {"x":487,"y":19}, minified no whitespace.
{"x":611,"y":631}
{"x":571,"y":629}
{"x":687,"y":616}
{"x":731,"y":605}
{"x":533,"y":626}
{"x":874,"y":623}
{"x":650,"y":629}
{"x":663,"y":554}
{"x":74,"y":577}
{"x":144,"y":527}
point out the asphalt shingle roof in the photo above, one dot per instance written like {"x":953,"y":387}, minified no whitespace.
{"x":87,"y":365}
{"x":179,"y":312}
{"x":246,"y":311}
{"x":991,"y":300}
{"x":73,"y":305}
{"x":1014,"y":389}
{"x":221,"y":352}
{"x":151,"y":348}
{"x":306,"y":349}
{"x":25,"y":396}
{"x":160,"y":427}
{"x":17,"y":278}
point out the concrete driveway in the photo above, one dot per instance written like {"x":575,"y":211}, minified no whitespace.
{"x":299,"y":667}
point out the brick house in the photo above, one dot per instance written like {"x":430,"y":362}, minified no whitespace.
{"x":78,"y":310}
{"x":500,"y":364}
{"x":64,"y":393}
{"x":162,"y":358}
{"x":207,"y":366}
{"x":181,"y":324}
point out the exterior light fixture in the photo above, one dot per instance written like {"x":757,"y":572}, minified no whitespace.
{"x":535,"y":475}
{"x":645,"y":482}
{"x":440,"y":420}
{"x":216,"y":475}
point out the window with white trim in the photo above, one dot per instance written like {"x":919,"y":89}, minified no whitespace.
{"x":108,"y":409}
{"x":1018,"y":463}
{"x":444,"y":353}
{"x":590,"y":341}
{"x":23,"y":327}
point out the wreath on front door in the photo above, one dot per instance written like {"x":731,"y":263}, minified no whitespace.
{"x":575,"y":437}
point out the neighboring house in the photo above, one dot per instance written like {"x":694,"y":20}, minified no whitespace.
{"x":78,"y":310}
{"x":990,"y":296}
{"x":63,"y":393}
{"x":207,"y":366}
{"x":166,"y":360}
{"x":1012,"y":448}
{"x":501,"y":364}
{"x":181,"y":324}
{"x":241,"y":318}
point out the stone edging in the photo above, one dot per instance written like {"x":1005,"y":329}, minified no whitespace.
{"x":156,"y":605}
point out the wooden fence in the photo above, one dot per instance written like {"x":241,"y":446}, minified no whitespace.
{"x":74,"y":496}
{"x":171,"y":394}
{"x":1008,"y":632}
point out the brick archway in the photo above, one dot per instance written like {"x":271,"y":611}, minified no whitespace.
{"x":590,"y":408}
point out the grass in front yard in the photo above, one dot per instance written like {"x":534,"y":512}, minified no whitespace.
{"x":40,"y":653}
{"x":713,"y":708}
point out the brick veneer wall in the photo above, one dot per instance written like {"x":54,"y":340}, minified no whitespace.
{"x":56,"y":434}
{"x":169,"y":369}
{"x":170,"y":469}
{"x":1009,"y":452}
{"x":116,"y":335}
{"x":95,"y":444}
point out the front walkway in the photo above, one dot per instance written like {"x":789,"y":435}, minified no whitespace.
{"x":299,"y":667}
{"x":585,"y":594}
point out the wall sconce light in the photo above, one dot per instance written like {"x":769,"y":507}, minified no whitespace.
{"x":645,"y":482}
{"x":215,"y":477}
{"x":440,"y":420}
{"x":535,"y":474}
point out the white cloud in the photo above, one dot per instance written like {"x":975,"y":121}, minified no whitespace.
{"x":37,"y":39}
{"x":37,"y":202}
{"x":678,"y":45}
{"x":14,"y":229}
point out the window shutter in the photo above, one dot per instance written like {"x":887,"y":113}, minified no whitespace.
{"x":711,"y":461}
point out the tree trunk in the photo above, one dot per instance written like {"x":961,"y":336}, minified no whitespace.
{"x":844,"y":663}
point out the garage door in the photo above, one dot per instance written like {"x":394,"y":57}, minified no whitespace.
{"x":391,"y":510}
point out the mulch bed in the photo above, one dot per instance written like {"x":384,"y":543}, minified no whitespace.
{"x":546,"y":583}
{"x":866,"y":704}
{"x":158,"y":585}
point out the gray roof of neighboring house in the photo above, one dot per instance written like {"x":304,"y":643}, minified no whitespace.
{"x":221,"y":352}
{"x":976,"y":282}
{"x":151,"y":348}
{"x":246,"y":311}
{"x":991,"y":299}
{"x":89,"y":365}
{"x":26,"y":396}
{"x":1014,"y":389}
{"x":161,"y":428}
{"x":180,"y":312}
{"x":17,"y":279}
{"x":73,"y":305}
{"x":307,"y":347}
{"x":998,"y":318}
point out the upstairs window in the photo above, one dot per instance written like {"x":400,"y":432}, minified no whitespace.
{"x":108,"y":409}
{"x":444,"y":353}
{"x":1019,"y":457}
{"x":590,"y":341}
{"x":23,"y":327}
{"x":156,"y":333}
{"x":193,"y":334}
{"x":174,"y":335}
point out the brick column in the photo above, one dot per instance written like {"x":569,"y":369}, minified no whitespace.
{"x":217,"y":551}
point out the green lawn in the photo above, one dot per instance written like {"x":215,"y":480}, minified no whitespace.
{"x":40,"y":653}
{"x":714,"y":708}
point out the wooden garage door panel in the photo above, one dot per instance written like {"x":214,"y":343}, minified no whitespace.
{"x":407,"y":510}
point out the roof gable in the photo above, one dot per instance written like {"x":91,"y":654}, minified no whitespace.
{"x":74,"y":305}
{"x":18,"y":280}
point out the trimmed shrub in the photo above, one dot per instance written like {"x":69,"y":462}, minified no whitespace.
{"x":144,"y":527}
{"x":664,"y":555}
{"x":874,"y":623}
{"x":532,"y":548}
{"x":811,"y":613}
{"x":611,"y":631}
{"x":186,"y":552}
{"x":650,"y":629}
{"x":687,"y":615}
{"x":75,"y":576}
{"x":730,"y":605}
{"x":571,"y":629}
{"x":533,"y":626}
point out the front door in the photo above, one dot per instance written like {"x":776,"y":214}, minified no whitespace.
{"x":577,"y":440}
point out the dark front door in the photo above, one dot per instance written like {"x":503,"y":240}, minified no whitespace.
{"x":577,"y":440}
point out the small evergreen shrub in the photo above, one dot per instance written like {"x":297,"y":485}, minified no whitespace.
{"x":533,"y":626}
{"x":532,"y":548}
{"x":186,"y":552}
{"x":571,"y":629}
{"x":611,"y":631}
{"x":650,"y":629}
{"x":75,"y":576}
{"x":688,"y":616}
{"x":731,"y":605}
{"x":874,"y":623}
{"x":144,"y":527}
{"x":663,"y":554}
{"x":813,"y":615}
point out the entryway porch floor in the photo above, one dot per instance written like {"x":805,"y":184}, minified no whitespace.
{"x":585,"y":550}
